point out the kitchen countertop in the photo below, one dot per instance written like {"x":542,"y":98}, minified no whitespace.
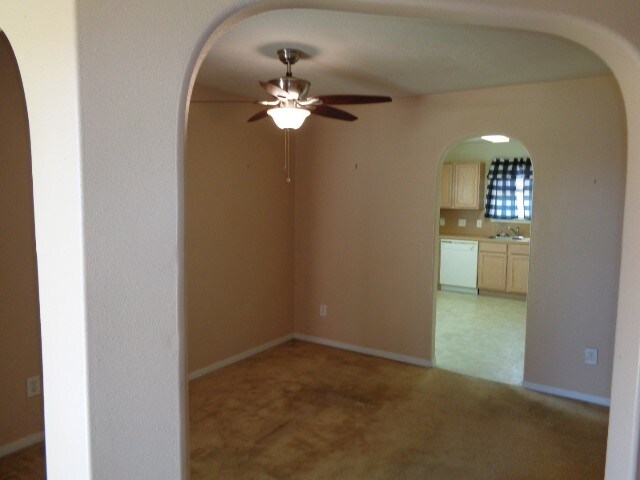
{"x":454,"y":236}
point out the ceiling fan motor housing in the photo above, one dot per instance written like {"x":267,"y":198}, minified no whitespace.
{"x":298,"y":87}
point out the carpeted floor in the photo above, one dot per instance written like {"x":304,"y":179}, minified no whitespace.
{"x":304,"y":411}
{"x":27,"y":464}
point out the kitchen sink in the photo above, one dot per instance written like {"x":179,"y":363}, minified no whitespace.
{"x":518,"y":238}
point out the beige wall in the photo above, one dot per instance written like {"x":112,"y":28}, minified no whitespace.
{"x":365,"y":236}
{"x":20,"y":356}
{"x":238,"y":232}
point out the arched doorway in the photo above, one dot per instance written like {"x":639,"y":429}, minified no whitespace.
{"x":484,"y":258}
{"x":382,"y":191}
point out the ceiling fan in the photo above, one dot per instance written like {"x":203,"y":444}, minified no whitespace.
{"x":292,"y":105}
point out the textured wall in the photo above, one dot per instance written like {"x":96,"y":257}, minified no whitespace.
{"x":20,"y":356}
{"x":238,"y":233}
{"x":365,"y":236}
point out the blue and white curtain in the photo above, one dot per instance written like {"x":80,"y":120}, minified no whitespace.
{"x":510,"y":189}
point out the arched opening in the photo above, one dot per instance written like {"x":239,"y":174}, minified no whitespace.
{"x":600,"y":33}
{"x":318,"y":328}
{"x":485,"y":211}
{"x":21,"y":403}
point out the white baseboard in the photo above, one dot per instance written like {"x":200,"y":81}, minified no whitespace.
{"x":240,"y":356}
{"x":367,"y":351}
{"x":20,"y":444}
{"x":561,"y":392}
{"x":451,"y":288}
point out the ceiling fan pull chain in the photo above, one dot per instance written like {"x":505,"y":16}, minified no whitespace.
{"x":287,"y":161}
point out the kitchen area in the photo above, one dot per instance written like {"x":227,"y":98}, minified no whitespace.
{"x":484,"y":237}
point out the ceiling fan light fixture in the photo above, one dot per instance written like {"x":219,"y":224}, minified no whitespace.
{"x":288,"y":117}
{"x":495,"y":138}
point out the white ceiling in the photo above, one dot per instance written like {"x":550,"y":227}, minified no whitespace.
{"x":379,"y":55}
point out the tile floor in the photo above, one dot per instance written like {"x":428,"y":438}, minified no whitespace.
{"x":481,"y":336}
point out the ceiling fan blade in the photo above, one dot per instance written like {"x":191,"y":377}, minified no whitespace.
{"x":309,"y":101}
{"x":255,"y":102}
{"x":336,"y":113}
{"x":352,"y":99}
{"x":276,"y":91}
{"x":223,"y":101}
{"x":258,"y":116}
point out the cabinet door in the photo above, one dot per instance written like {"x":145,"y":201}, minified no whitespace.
{"x":446,"y":184}
{"x":518,"y":274}
{"x":466,"y":190}
{"x":492,"y":271}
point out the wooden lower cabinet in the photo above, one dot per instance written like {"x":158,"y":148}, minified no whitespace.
{"x":517,"y":272}
{"x":492,"y":269}
{"x":503,"y":267}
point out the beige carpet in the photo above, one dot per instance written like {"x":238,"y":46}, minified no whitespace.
{"x":27,"y":464}
{"x":303,"y":411}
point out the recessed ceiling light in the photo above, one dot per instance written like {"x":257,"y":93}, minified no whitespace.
{"x":495,"y":138}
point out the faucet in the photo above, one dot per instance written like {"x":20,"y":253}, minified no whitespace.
{"x":516,"y":231}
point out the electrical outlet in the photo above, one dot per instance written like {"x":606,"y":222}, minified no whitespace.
{"x":462,"y":222}
{"x":323,"y":310}
{"x":591,"y":356}
{"x":33,"y":386}
{"x":479,"y":223}
{"x":442,"y":221}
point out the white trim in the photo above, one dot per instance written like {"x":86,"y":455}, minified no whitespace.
{"x":18,"y":445}
{"x":420,"y":362}
{"x":561,"y":392}
{"x":240,"y":356}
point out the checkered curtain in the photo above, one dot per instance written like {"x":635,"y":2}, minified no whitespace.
{"x":502,"y":188}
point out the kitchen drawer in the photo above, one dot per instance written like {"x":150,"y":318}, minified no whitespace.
{"x":493,"y":247}
{"x":519,"y":249}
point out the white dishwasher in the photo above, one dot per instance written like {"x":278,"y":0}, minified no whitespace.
{"x":459,"y":265}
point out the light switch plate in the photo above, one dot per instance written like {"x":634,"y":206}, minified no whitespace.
{"x":462,"y":222}
{"x":478,"y":223}
{"x":442,"y":221}
{"x":591,"y":356}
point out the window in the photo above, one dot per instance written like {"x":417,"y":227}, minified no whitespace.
{"x":509,"y":189}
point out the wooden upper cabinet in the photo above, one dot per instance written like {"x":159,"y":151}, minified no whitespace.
{"x":466,"y":186}
{"x":461,"y":186}
{"x":446,"y":186}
